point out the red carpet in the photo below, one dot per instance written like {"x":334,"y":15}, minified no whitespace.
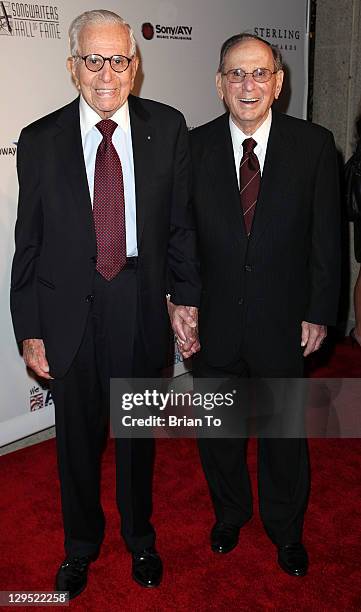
{"x":195,"y":578}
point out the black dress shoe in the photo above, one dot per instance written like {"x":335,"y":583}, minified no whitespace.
{"x":224,"y":537}
{"x":293,"y":559}
{"x":72,"y":575}
{"x":147,"y":568}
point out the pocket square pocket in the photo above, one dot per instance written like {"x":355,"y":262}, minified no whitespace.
{"x":45,"y":282}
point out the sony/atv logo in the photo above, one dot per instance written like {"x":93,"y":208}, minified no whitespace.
{"x":178,"y":31}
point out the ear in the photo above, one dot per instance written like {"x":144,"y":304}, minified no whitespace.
{"x":70,"y":64}
{"x":219,"y":85}
{"x":134,"y":67}
{"x":71,"y":67}
{"x":279,"y":81}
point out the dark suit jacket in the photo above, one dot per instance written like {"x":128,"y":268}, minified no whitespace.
{"x":55,"y":257}
{"x":256,"y":292}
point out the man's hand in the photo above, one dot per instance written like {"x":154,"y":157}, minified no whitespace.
{"x":184,"y":321}
{"x":34,"y":357}
{"x":191,"y":345}
{"x":312,"y":337}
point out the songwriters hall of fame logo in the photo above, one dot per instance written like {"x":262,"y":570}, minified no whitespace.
{"x":29,"y":20}
{"x":40,"y":398}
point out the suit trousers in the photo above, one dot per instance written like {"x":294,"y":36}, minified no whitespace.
{"x":283,"y":472}
{"x":112,"y":346}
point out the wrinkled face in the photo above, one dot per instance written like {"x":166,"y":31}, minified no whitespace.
{"x":248,"y":102}
{"x":105,"y":91}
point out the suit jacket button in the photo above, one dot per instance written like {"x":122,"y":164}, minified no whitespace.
{"x":240,"y":301}
{"x":93,"y":259}
{"x":89,"y":298}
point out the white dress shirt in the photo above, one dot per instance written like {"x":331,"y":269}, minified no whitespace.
{"x":261,"y":136}
{"x":122,"y":141}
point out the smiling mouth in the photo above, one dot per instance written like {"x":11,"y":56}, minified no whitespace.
{"x":249,"y":100}
{"x":105,"y":92}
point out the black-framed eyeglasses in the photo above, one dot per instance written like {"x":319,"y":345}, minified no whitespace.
{"x":95,"y":62}
{"x":260,"y":75}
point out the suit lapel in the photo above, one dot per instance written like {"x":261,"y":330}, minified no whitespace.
{"x":275,"y":171}
{"x":223,"y":178}
{"x":142,"y":143}
{"x":71,"y":162}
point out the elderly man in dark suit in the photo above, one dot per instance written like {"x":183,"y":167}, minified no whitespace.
{"x":266,"y":207}
{"x":103,"y":235}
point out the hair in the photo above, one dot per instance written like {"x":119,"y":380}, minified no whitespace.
{"x":98,"y":17}
{"x":238,"y":38}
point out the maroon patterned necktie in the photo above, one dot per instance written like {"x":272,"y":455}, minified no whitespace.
{"x":108,"y":205}
{"x":249,"y":182}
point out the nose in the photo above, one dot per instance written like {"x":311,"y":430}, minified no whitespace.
{"x":106,"y":72}
{"x":248,"y":82}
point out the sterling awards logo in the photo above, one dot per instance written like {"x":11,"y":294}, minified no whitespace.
{"x":285,"y":39}
{"x":167,"y":32}
{"x":29,"y":20}
{"x":40,"y":398}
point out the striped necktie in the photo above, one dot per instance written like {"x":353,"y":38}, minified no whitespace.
{"x":249,"y":181}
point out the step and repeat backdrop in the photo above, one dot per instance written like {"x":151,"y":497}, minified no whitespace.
{"x":178,"y":43}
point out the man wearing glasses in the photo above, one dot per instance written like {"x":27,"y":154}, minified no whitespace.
{"x":103,"y":235}
{"x":266,"y":210}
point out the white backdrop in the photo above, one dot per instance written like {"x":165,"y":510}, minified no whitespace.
{"x":179,"y":43}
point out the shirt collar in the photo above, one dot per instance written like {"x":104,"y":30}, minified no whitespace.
{"x":89,"y":118}
{"x":260,"y":135}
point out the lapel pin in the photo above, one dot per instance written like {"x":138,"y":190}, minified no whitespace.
{"x":148,"y":138}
